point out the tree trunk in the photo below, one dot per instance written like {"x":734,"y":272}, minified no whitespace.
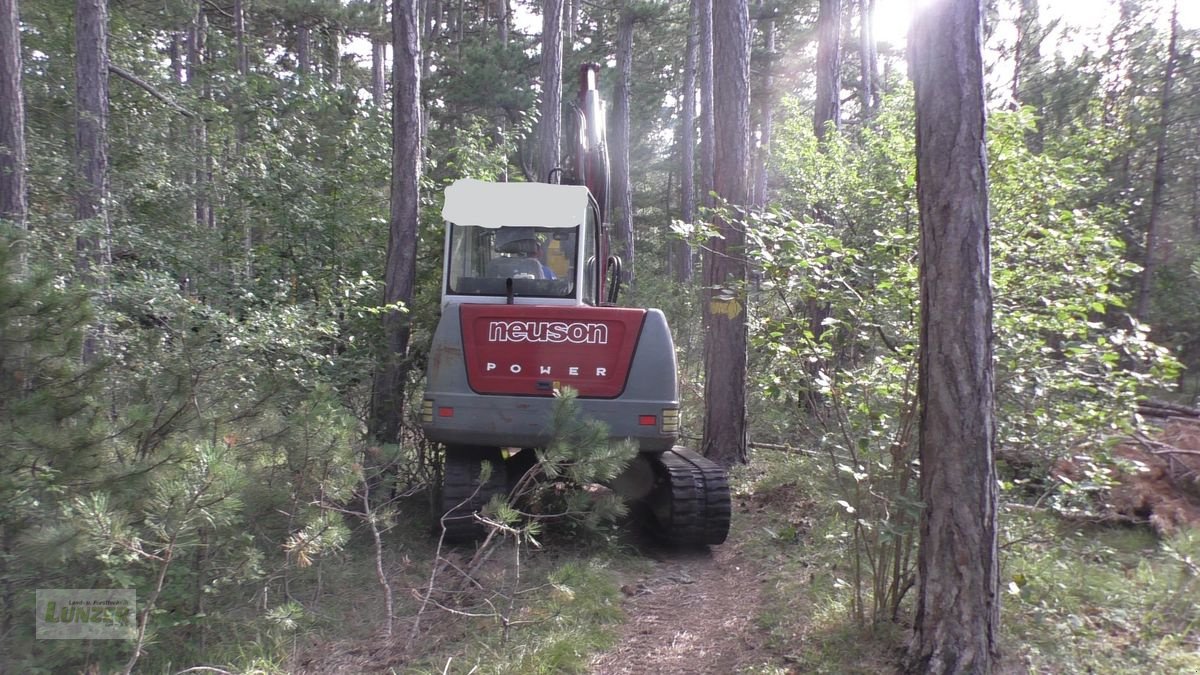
{"x":725,"y":268}
{"x":13,"y":207}
{"x":303,"y":47}
{"x":957,"y":596}
{"x":868,"y":59}
{"x":707,"y":119}
{"x":91,"y":148}
{"x":1026,"y":90}
{"x":828,"y":105}
{"x":550,"y":124}
{"x":687,"y":145}
{"x":1158,"y":187}
{"x":766,"y":116}
{"x":623,"y":214}
{"x":503,"y":15}
{"x":387,"y":414}
{"x":239,"y":36}
{"x":333,"y":56}
{"x":197,"y":34}
{"x":378,"y":84}
{"x":175,"y":53}
{"x":572,"y":24}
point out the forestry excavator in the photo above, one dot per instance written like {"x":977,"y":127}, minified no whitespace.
{"x":528,"y":307}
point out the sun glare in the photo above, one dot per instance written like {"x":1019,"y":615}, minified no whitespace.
{"x":892,"y":17}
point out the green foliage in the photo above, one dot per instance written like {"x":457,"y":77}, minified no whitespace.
{"x":574,"y":618}
{"x":1109,"y":599}
{"x":554,"y":489}
{"x":839,"y":295}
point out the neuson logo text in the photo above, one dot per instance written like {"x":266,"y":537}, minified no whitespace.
{"x":548,"y":331}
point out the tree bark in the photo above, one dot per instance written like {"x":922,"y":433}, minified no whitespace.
{"x":13,"y":206}
{"x":303,"y":49}
{"x":828,"y":105}
{"x":868,"y":58}
{"x":707,"y":119}
{"x":725,"y":269}
{"x":766,"y":116}
{"x":572,"y":24}
{"x":1026,"y":90}
{"x":550,"y":124}
{"x":333,"y":56}
{"x":623,"y":215}
{"x":239,"y":36}
{"x":1158,"y":187}
{"x":175,"y":53}
{"x":387,"y":413}
{"x":687,"y":145}
{"x":197,"y":37}
{"x":378,"y":83}
{"x":91,"y":149}
{"x":503,"y":15}
{"x":958,"y":592}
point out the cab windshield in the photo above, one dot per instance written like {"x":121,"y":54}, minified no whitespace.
{"x":539,"y":260}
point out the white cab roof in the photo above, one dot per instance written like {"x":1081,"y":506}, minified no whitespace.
{"x":483,"y":204}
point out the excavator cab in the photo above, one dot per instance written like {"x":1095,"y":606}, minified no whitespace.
{"x":497,"y":249}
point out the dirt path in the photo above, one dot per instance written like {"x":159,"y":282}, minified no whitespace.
{"x":692,"y":613}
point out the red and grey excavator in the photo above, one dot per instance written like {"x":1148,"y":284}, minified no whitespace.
{"x":528,"y":306}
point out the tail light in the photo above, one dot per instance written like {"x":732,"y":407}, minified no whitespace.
{"x":670,"y":420}
{"x":427,"y":411}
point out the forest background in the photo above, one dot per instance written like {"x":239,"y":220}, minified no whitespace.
{"x":191,"y":313}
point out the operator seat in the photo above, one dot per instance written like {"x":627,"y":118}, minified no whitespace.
{"x":519,"y":263}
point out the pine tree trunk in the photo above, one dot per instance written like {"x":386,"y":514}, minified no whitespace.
{"x":828,"y":105}
{"x":13,"y":207}
{"x":239,"y":36}
{"x":196,"y":49}
{"x":387,"y":414}
{"x":175,"y":53}
{"x":725,"y":266}
{"x":503,"y":16}
{"x":303,"y":49}
{"x":1026,"y":90}
{"x":707,"y":119}
{"x":333,"y":56}
{"x":378,"y":83}
{"x":687,"y":145}
{"x":1158,"y":187}
{"x":623,"y":215}
{"x":958,"y":592}
{"x":91,"y":129}
{"x":91,"y":148}
{"x":550,"y":124}
{"x":868,"y":59}
{"x":572,"y":24}
{"x":766,"y":117}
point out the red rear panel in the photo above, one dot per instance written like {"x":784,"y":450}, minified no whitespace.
{"x":533,"y":349}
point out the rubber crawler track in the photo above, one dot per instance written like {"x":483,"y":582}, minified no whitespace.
{"x":462,"y":494}
{"x":693,"y":507}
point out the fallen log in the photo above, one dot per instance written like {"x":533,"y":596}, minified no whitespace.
{"x":1156,"y":408}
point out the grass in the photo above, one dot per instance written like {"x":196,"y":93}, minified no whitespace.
{"x":1074,"y":598}
{"x":1106,"y":599}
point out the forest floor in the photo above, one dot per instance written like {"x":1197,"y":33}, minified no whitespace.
{"x":694,"y":606}
{"x":770,"y":601}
